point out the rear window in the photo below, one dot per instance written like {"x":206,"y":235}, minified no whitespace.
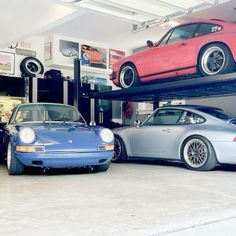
{"x":206,"y":28}
{"x":218,"y":113}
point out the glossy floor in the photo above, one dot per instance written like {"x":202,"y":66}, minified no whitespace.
{"x":132,"y":199}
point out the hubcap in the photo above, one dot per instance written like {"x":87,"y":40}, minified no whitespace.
{"x":127,"y":77}
{"x":213,"y":60}
{"x":117,"y":150}
{"x":195,"y":153}
{"x":9,"y":156}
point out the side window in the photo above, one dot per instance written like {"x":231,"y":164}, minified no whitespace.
{"x":190,"y":118}
{"x":164,"y":40}
{"x":183,"y":32}
{"x":165,"y":117}
{"x":206,"y":28}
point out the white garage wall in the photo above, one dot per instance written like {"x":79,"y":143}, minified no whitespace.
{"x":227,"y":103}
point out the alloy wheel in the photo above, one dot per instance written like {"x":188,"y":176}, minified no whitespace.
{"x":117,"y":150}
{"x":127,"y":77}
{"x":213,"y":60}
{"x":195,"y":153}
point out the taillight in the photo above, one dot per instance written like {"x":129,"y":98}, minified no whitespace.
{"x":234,"y":139}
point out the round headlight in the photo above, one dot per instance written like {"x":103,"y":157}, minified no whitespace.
{"x":106,"y":135}
{"x":27,"y":135}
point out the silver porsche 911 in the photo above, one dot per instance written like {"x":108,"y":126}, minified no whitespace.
{"x":200,"y":136}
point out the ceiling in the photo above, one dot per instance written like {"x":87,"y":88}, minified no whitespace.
{"x":123,"y":23}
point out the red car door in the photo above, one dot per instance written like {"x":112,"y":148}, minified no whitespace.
{"x":175,"y":53}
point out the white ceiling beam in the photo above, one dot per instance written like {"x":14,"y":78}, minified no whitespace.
{"x":211,"y":2}
{"x":170,"y":5}
{"x":132,"y":9}
{"x":123,"y":16}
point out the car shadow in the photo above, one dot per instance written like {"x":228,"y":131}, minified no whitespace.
{"x":61,"y":171}
{"x":222,"y":167}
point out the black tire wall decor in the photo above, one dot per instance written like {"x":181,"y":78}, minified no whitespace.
{"x":31,"y":67}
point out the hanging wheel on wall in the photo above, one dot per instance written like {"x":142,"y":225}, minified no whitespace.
{"x":31,"y":66}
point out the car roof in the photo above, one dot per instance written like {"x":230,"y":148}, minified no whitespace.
{"x":44,"y":103}
{"x":188,"y":106}
{"x":216,"y":21}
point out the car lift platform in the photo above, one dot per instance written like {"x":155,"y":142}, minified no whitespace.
{"x":218,"y":85}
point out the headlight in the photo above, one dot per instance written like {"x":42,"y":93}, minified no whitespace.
{"x":106,"y":135}
{"x":27,"y":135}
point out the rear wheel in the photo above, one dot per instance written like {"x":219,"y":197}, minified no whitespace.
{"x":14,"y":166}
{"x":128,"y":76}
{"x":215,"y":59}
{"x":198,"y":154}
{"x":119,"y":151}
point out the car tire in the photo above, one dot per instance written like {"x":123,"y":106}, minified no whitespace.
{"x":14,"y":166}
{"x":120,"y":154}
{"x":128,"y":76}
{"x":215,"y":59}
{"x":102,"y":168}
{"x":31,"y":67}
{"x":197,"y":153}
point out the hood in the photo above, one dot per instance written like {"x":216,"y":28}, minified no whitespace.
{"x":65,"y":136}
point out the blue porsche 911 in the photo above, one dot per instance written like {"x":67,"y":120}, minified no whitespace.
{"x":49,"y":135}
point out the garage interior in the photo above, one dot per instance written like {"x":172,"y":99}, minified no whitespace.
{"x":141,"y":198}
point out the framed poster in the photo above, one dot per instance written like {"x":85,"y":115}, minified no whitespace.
{"x":47,"y":51}
{"x":93,"y":56}
{"x":114,"y":56}
{"x":7,"y":63}
{"x":68,"y":51}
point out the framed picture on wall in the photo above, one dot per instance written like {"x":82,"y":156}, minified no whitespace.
{"x":7,"y":63}
{"x":93,"y":56}
{"x":47,"y":51}
{"x":68,"y":51}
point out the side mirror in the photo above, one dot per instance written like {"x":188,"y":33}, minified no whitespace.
{"x":92,"y":123}
{"x":137,"y":123}
{"x":150,"y":43}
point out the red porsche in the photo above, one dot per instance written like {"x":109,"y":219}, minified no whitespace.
{"x":206,"y":47}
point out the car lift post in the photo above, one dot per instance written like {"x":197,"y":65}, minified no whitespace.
{"x":77,"y":83}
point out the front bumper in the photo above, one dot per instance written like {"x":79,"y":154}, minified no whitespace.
{"x":64,"y":159}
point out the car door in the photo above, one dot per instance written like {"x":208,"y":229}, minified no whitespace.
{"x":176,"y":51}
{"x":181,"y":47}
{"x":156,"y":135}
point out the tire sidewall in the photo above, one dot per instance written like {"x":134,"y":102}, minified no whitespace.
{"x":135,"y":81}
{"x":228,"y":64}
{"x":9,"y":162}
{"x":24,"y":69}
{"x":123,"y":156}
{"x":211,"y":161}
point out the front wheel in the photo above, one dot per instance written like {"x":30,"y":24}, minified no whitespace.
{"x":14,"y":166}
{"x":198,"y":154}
{"x":215,"y":59}
{"x":119,"y":151}
{"x":128,"y":76}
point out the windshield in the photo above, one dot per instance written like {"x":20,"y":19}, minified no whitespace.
{"x":218,"y":113}
{"x":46,"y":112}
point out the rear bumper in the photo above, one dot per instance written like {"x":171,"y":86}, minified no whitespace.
{"x":225,"y":152}
{"x":64,"y":160}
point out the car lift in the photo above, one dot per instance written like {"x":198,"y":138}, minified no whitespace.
{"x":174,"y":89}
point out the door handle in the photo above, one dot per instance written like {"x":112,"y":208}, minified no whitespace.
{"x":183,"y":44}
{"x":166,"y":130}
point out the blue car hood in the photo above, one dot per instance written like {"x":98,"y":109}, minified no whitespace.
{"x":65,"y":136}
